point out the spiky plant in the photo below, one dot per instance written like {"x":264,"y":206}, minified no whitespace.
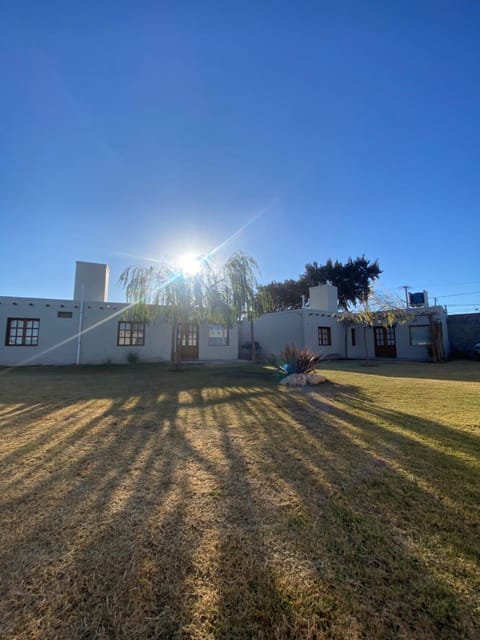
{"x":295,"y":360}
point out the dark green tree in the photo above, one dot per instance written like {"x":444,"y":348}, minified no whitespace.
{"x":285,"y":295}
{"x":353,"y":279}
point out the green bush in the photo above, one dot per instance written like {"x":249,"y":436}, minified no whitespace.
{"x":132,"y":357}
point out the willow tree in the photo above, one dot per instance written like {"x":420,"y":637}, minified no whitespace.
{"x":245,"y":298}
{"x":214,"y":294}
{"x":376,"y":309}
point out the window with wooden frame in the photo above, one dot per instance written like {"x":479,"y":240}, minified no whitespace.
{"x":324,"y":336}
{"x":131,"y":334}
{"x":420,"y":335}
{"x":217,"y":335}
{"x":22,"y":332}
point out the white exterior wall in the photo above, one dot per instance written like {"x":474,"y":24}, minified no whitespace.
{"x":405,"y":350}
{"x":358,"y":350}
{"x":361,"y":333}
{"x":217,"y":352}
{"x":300,"y":326}
{"x":402,"y":333}
{"x":54,"y":332}
{"x":58,"y":337}
{"x":99,"y":340}
{"x":312,"y":320}
{"x":274,"y":330}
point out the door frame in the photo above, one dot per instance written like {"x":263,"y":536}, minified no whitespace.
{"x":385,"y":342}
{"x":188,"y":341}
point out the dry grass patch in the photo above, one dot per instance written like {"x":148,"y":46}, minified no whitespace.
{"x":138,"y":503}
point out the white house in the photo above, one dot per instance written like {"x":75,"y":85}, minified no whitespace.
{"x":321,"y":329}
{"x":91,"y":330}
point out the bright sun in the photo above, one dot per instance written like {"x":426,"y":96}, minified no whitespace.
{"x":190,"y":264}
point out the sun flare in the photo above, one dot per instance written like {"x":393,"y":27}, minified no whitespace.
{"x":190,"y":264}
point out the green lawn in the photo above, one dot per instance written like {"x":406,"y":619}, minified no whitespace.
{"x":141,"y":503}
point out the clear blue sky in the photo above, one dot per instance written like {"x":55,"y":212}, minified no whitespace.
{"x":146,"y":129}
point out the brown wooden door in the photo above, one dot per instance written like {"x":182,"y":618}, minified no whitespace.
{"x":187,"y":341}
{"x":385,"y":344}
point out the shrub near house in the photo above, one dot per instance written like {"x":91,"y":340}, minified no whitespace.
{"x":300,"y":365}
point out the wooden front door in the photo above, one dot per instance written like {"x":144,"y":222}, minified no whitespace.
{"x":385,"y":345}
{"x":187,"y":341}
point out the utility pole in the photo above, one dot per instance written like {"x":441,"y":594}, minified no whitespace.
{"x":406,"y":287}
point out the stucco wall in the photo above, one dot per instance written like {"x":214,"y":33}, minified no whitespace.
{"x":300,"y":326}
{"x":57,"y":341}
{"x":406,"y":351}
{"x":99,"y":342}
{"x":312,"y":320}
{"x":217,"y":352}
{"x":323,"y":297}
{"x":274,"y":330}
{"x":58,"y":337}
{"x":91,"y":281}
{"x":356,"y":350}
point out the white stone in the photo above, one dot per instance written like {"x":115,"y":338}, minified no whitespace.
{"x":294,"y":380}
{"x":315,"y":378}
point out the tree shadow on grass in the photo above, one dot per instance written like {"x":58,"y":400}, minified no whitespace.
{"x":101,"y":520}
{"x":464,"y":371}
{"x":250,"y":606}
{"x":106,"y":552}
{"x":307,"y":529}
{"x":355,"y":534}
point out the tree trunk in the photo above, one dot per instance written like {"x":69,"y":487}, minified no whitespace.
{"x":365,"y":341}
{"x":252,"y":340}
{"x":175,"y":351}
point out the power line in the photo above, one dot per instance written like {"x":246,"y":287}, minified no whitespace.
{"x":451,"y":295}
{"x":473,"y":304}
{"x":442,"y":284}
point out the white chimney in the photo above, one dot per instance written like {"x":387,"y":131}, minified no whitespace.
{"x":324,"y":297}
{"x":91,"y":281}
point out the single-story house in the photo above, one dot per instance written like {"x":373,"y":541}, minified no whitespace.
{"x":323,"y":329}
{"x":90,"y":330}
